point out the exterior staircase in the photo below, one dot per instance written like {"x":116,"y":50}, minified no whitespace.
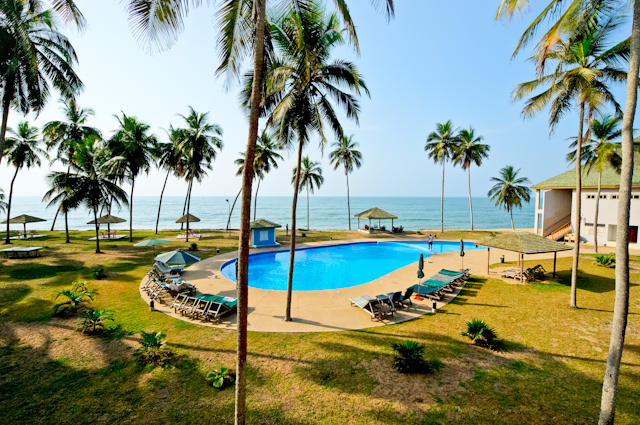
{"x":560,"y":231}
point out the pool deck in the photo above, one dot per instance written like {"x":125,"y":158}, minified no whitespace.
{"x":330,"y":310}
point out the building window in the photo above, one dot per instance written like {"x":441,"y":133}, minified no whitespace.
{"x":591,"y":196}
{"x":635,"y":196}
{"x":614,"y":196}
{"x":603,"y":196}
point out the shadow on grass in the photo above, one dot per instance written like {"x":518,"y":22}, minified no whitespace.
{"x":13,"y":293}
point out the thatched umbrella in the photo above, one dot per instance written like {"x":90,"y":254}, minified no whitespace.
{"x":24,"y":219}
{"x":375,"y":213}
{"x":188,"y":218}
{"x":108,"y":220}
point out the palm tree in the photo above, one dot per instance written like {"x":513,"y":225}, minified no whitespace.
{"x":22,"y":151}
{"x":243,"y":32}
{"x":64,"y":136}
{"x":168,"y":157}
{"x":266,"y":158}
{"x":302,"y":84}
{"x":3,"y":204}
{"x":58,"y":194}
{"x":584,"y":66}
{"x":199,"y":142}
{"x":470,"y":151}
{"x":600,"y":152}
{"x":91,"y":182}
{"x":34,"y":56}
{"x":509,"y":190}
{"x":310,"y":178}
{"x":621,"y":306}
{"x":131,"y":149}
{"x":346,"y":155}
{"x":441,"y":146}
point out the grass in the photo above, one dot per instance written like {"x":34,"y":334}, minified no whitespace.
{"x":551,"y":372}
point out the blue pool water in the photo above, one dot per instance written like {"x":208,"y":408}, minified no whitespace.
{"x":335,"y":266}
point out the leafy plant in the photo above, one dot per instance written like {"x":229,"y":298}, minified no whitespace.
{"x":221,"y":378}
{"x":605,"y":260}
{"x":75,"y":302}
{"x":79,"y":286}
{"x":409,"y":358}
{"x":93,"y":321}
{"x":482,"y":335}
{"x":303,"y":235}
{"x":99,"y":273}
{"x":153,"y":349}
{"x":193,"y":247}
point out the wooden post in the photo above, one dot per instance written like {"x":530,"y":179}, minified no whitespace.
{"x":555,"y":255}
{"x":522,"y":267}
{"x":488,"y":259}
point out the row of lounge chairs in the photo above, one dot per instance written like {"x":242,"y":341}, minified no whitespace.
{"x":385,"y":305}
{"x":157,"y":288}
{"x":530,"y":274}
{"x":441,"y":283}
{"x":204,"y":306}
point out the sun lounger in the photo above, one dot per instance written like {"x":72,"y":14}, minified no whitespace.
{"x":373,"y":306}
{"x":462,"y":273}
{"x":167,"y":269}
{"x":219,"y":306}
{"x":387,"y":302}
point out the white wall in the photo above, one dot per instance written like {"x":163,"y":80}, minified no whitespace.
{"x":607,"y":214}
{"x":556,"y":206}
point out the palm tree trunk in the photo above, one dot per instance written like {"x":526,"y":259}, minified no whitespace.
{"x":255,"y":200}
{"x":108,"y":212}
{"x":184,"y":207}
{"x":188,"y":207}
{"x":232,"y":207}
{"x":470,"y":204}
{"x":245,"y":214}
{"x":308,"y":225}
{"x":66,"y":227}
{"x":160,"y":203}
{"x":512,"y":225}
{"x":577,"y":211}
{"x":621,"y":305}
{"x":442,"y":201}
{"x":5,"y":117}
{"x":595,"y":217}
{"x":292,"y":249}
{"x":8,"y":239}
{"x":55,"y":217}
{"x":95,"y":218}
{"x":133,"y":182}
{"x":346,"y":173}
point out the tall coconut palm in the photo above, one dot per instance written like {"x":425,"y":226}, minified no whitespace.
{"x":22,"y":151}
{"x":200,"y":142}
{"x":510,"y":190}
{"x":243,"y":33}
{"x":34,"y":56}
{"x":59,"y":195}
{"x":3,"y":204}
{"x":468,"y":151}
{"x":584,"y":65}
{"x":310,"y":178}
{"x":168,"y":156}
{"x":441,"y":146}
{"x":64,"y":136}
{"x":347,"y":156}
{"x":303,"y":84}
{"x":91,"y":182}
{"x":131,"y":148}
{"x":266,"y":159}
{"x":600,"y":152}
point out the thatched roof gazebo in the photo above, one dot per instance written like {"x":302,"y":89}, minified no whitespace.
{"x":375,"y":213}
{"x":523,"y":243}
{"x":188,"y":218}
{"x":108,"y":219}
{"x":24,"y":219}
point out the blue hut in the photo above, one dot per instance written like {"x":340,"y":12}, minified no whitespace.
{"x":263,"y":233}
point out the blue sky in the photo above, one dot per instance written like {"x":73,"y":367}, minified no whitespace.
{"x":435,"y":61}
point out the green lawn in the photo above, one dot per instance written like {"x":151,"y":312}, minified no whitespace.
{"x":551,"y":372}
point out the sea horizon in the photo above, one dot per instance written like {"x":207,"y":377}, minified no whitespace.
{"x":326,"y":212}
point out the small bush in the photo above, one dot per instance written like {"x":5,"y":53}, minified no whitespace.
{"x":193,"y":247}
{"x":303,"y":235}
{"x":482,"y":335}
{"x":153,"y":350}
{"x":93,"y":321}
{"x":221,"y":378}
{"x":99,"y":273}
{"x":418,"y":232}
{"x":77,"y":299}
{"x":605,"y":260}
{"x":409,"y":358}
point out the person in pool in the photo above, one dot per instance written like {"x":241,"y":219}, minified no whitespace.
{"x":430,"y":241}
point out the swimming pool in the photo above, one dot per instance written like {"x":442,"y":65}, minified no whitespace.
{"x":335,"y":266}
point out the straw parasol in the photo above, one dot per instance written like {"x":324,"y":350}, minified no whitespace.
{"x":375,"y":213}
{"x":107,"y":219}
{"x":177,"y":256}
{"x":24,"y":219}
{"x":188,"y":218}
{"x":523,"y":243}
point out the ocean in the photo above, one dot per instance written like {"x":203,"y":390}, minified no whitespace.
{"x":325,"y":212}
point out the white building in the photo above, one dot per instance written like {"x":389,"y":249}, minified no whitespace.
{"x":554,"y":208}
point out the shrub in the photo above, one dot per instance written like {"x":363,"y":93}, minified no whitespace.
{"x":153,"y":349}
{"x":418,"y":232}
{"x":193,"y":247}
{"x":303,"y":235}
{"x":605,"y":260}
{"x":79,"y":286}
{"x":482,"y":335}
{"x":221,"y":378}
{"x":409,"y":358}
{"x":76,"y":300}
{"x":93,"y":321}
{"x":99,"y":273}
